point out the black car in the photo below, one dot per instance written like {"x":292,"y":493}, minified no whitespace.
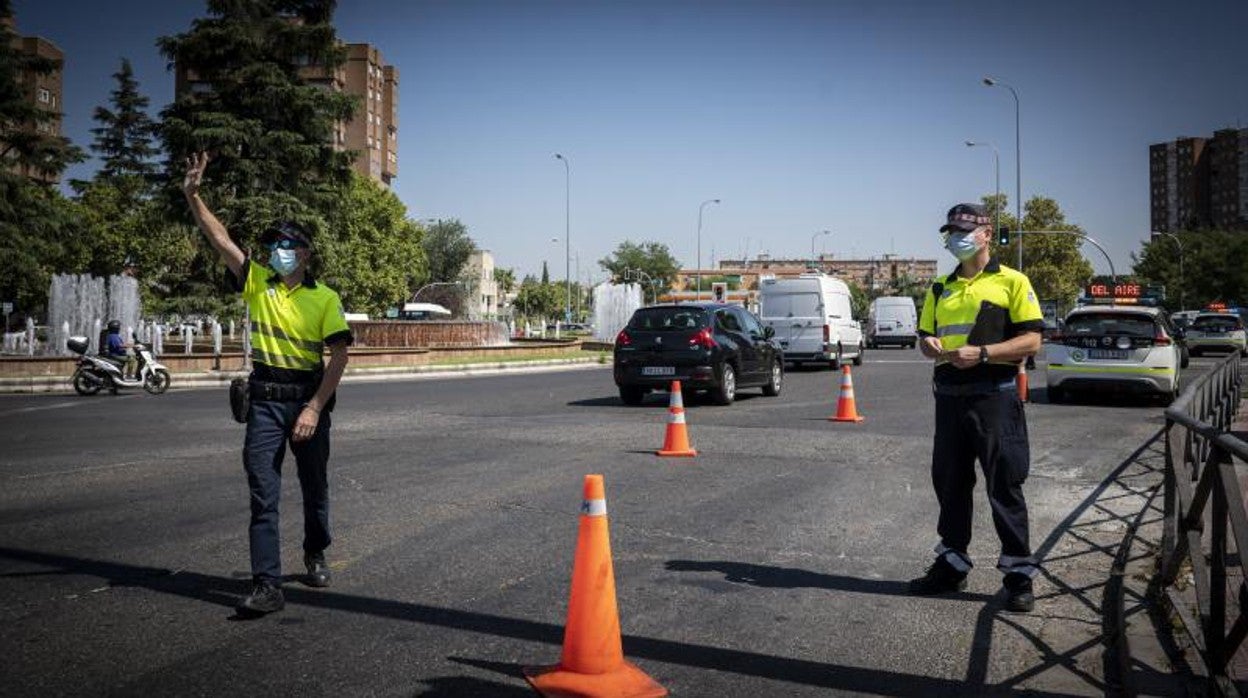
{"x":706,"y":346}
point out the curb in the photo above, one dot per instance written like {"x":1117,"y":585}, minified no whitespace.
{"x":221,"y":379}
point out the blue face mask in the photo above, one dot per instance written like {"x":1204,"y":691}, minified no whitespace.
{"x":962,"y":245}
{"x":284,"y":262}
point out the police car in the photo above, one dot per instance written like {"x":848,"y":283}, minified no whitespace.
{"x":1217,"y":332}
{"x":1127,"y":348}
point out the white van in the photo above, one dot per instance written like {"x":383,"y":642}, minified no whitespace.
{"x":892,"y":320}
{"x":812,"y":318}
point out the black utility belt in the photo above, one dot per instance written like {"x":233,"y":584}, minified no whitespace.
{"x":981,"y":388}
{"x":281,"y":392}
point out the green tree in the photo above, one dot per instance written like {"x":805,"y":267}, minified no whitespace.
{"x":651,"y":257}
{"x":506,"y":280}
{"x":539,"y":300}
{"x":24,"y":142}
{"x":447,"y":249}
{"x":123,"y":139}
{"x":545,"y":274}
{"x":255,"y":103}
{"x":1054,"y":263}
{"x":39,"y":236}
{"x":1215,"y":267}
{"x":371,"y":253}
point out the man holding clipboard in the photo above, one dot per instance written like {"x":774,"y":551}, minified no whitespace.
{"x":978,"y":324}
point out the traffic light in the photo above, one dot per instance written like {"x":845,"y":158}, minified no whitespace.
{"x":1003,"y":236}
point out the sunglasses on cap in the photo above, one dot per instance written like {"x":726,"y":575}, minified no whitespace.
{"x":286,"y":244}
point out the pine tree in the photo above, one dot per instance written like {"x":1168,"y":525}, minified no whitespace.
{"x":21,"y":143}
{"x":253,"y":102}
{"x":124,"y":137}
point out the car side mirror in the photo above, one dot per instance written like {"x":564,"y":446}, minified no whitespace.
{"x":769,"y":332}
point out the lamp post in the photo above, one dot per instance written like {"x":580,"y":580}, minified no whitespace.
{"x":812,"y":242}
{"x":1018,"y":164}
{"x":996,"y":210}
{"x":1182,"y":287}
{"x":701,"y":207}
{"x":567,"y":236}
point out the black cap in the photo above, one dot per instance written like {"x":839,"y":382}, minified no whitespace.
{"x":964,"y":218}
{"x":287,"y":229}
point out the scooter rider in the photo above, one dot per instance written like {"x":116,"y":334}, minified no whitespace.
{"x":117,"y":349}
{"x":293,"y":317}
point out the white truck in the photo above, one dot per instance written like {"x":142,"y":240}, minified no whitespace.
{"x":812,"y":318}
{"x":892,"y":320}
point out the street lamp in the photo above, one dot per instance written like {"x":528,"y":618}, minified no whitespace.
{"x":996,"y":210}
{"x":812,"y":241}
{"x":1182,"y":287}
{"x":1018,"y":164}
{"x":701,"y":207}
{"x":567,"y":234}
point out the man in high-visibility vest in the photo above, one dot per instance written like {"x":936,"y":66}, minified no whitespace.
{"x":293,"y":319}
{"x":978,"y":323}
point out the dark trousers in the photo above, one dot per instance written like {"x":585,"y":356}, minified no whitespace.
{"x":993,"y":429}
{"x":269,"y":426}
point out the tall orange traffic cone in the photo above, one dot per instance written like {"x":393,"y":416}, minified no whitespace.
{"x":592,"y":663}
{"x":676,"y":441}
{"x":846,"y":410}
{"x":1021,"y":382}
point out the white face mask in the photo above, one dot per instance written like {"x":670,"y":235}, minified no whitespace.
{"x":284,"y":262}
{"x":962,"y":245}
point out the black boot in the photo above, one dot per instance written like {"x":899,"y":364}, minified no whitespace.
{"x":941,"y":578}
{"x":264,"y":598}
{"x":1019,"y":597}
{"x":318,"y":571}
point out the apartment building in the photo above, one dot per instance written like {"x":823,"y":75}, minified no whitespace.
{"x":482,"y":288}
{"x":373,"y":133}
{"x":1199,"y":183}
{"x":42,"y":91}
{"x":876,"y":275}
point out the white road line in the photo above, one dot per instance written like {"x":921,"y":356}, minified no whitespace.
{"x":86,"y":469}
{"x":57,"y":406}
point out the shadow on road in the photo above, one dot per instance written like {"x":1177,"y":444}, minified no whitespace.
{"x":793,"y":578}
{"x":223,"y":591}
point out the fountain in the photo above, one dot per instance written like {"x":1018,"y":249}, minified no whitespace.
{"x":613,"y":306}
{"x":76,"y":302}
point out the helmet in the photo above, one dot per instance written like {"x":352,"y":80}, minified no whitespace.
{"x":114,"y":326}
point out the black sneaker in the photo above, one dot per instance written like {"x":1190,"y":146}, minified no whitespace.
{"x":1019,"y":597}
{"x":941,"y":578}
{"x":318,"y":571}
{"x":264,"y":598}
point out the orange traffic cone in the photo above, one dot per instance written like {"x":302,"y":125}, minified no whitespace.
{"x":846,"y":410}
{"x":676,"y":441}
{"x":1021,"y":382}
{"x":593,"y":661}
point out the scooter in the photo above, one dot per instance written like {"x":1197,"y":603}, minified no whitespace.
{"x":95,"y":373}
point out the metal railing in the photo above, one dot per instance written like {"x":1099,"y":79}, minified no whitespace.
{"x":1202,"y":495}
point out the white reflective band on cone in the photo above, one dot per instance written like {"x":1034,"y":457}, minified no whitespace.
{"x":676,"y":418}
{"x":594,"y":507}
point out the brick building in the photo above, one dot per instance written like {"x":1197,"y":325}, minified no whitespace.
{"x":42,"y":91}
{"x":1199,"y":183}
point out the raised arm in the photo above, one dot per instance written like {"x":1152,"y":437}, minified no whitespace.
{"x":216,"y":233}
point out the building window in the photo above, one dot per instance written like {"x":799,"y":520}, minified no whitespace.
{"x":44,"y":95}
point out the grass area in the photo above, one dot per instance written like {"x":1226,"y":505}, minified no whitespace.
{"x":601,"y":357}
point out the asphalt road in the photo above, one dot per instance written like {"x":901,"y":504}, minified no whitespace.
{"x":773,"y":564}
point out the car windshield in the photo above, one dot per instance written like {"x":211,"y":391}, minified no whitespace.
{"x":789,"y":305}
{"x":1228,"y":323}
{"x":1117,"y":324}
{"x":667,"y":319}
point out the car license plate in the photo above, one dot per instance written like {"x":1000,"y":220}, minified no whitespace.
{"x":658,"y":370}
{"x":1107,"y":353}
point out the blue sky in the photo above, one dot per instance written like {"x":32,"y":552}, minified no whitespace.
{"x":799,"y":116}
